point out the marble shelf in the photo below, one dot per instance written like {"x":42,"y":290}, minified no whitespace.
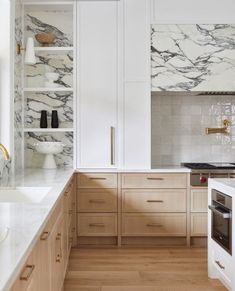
{"x":48,"y":129}
{"x":58,"y":89}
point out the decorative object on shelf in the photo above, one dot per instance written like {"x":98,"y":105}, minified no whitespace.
{"x":30,"y":58}
{"x":49,"y":149}
{"x":43,"y":119}
{"x":54,"y":119}
{"x":45,"y":39}
{"x":51,"y":78}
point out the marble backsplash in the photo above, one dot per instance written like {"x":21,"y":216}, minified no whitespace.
{"x":195,"y":57}
{"x":178,"y":128}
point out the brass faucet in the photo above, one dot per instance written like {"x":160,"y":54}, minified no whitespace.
{"x":223,"y":130}
{"x":5,"y":152}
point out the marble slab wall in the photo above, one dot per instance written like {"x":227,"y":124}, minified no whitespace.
{"x":193,"y":57}
{"x":178,"y":129}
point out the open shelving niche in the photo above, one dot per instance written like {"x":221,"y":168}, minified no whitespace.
{"x":62,"y":98}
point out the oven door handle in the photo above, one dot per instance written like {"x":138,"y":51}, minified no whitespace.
{"x":225,"y":215}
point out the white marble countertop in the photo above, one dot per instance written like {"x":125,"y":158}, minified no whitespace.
{"x":224,"y":185}
{"x":26,"y":221}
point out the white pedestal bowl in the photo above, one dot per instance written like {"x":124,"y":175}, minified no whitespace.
{"x":49,"y":149}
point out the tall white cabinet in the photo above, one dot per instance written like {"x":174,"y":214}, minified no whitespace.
{"x":114,"y":84}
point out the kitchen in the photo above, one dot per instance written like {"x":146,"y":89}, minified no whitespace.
{"x":120,"y":130}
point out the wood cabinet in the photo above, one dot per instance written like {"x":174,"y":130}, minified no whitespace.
{"x":46,"y":265}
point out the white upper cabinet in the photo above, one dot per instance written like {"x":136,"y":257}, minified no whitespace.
{"x":193,"y":57}
{"x":97,"y":83}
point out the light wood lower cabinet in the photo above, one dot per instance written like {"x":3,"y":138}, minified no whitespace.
{"x":46,"y":266}
{"x":199,"y":224}
{"x":154,"y":224}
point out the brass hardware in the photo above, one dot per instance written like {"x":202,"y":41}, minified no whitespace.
{"x":157,"y":201}
{"x":45,"y":235}
{"x":19,"y":49}
{"x":154,"y":225}
{"x":5,"y":152}
{"x":157,"y":179}
{"x":58,"y":237}
{"x":29,"y":269}
{"x":219,"y":264}
{"x":97,"y":224}
{"x":58,"y":258}
{"x":112,"y":136}
{"x":96,"y":201}
{"x":223,"y":130}
{"x":97,"y":178}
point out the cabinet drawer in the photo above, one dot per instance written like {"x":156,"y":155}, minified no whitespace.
{"x":199,"y":224}
{"x":154,"y":225}
{"x":199,"y":200}
{"x":98,"y":200}
{"x":97,"y":224}
{"x":97,"y":180}
{"x":154,"y":181}
{"x":154,"y":200}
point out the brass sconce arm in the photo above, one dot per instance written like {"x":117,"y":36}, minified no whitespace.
{"x":223,"y":130}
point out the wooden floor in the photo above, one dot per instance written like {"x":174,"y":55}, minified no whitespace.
{"x":171,"y":269}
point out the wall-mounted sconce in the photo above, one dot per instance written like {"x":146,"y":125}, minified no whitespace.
{"x":223,"y":130}
{"x":30,"y":58}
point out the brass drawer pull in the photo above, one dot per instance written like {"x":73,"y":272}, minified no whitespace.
{"x":58,"y":258}
{"x":219,"y":264}
{"x":156,"y":201}
{"x":154,"y":225}
{"x":96,"y":201}
{"x":58,"y":237}
{"x":157,"y":179}
{"x":97,"y":225}
{"x":45,"y":235}
{"x":29,"y":269}
{"x":97,"y":178}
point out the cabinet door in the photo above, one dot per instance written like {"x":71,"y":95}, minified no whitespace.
{"x":98,"y":81}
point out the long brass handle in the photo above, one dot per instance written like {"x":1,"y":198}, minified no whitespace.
{"x":45,"y":235}
{"x":97,"y":178}
{"x":157,"y":179}
{"x":97,"y":225}
{"x":112,"y":137}
{"x":219,"y":264}
{"x":96,"y":201}
{"x":59,"y":255}
{"x":154,"y":225}
{"x":29,"y":270}
{"x":155,"y":201}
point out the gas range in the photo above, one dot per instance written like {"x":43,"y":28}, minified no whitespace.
{"x":200,"y":172}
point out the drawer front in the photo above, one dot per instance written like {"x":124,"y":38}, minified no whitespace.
{"x":97,"y":180}
{"x":104,"y":200}
{"x":154,"y":180}
{"x":154,"y":225}
{"x":97,"y":224}
{"x":199,"y":200}
{"x":154,"y":200}
{"x":199,"y":224}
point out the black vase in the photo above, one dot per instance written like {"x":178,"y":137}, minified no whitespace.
{"x":43,"y":119}
{"x":54,"y":119}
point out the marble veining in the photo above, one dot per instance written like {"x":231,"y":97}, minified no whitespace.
{"x":193,"y":57}
{"x":60,"y":101}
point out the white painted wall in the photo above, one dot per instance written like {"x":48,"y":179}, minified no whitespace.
{"x":193,"y":11}
{"x":5,"y":73}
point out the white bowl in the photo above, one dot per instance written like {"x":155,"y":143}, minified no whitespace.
{"x":49,"y":148}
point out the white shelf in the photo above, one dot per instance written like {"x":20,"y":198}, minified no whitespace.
{"x":48,"y":129}
{"x":53,"y":49}
{"x":59,"y":89}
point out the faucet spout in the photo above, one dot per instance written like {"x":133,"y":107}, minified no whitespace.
{"x":5,"y":152}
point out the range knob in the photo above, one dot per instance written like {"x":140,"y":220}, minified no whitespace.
{"x":203,"y":179}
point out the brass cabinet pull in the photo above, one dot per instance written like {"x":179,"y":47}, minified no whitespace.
{"x":44,"y":235}
{"x":157,"y":179}
{"x":29,"y":270}
{"x":96,"y":224}
{"x":154,"y":225}
{"x":58,"y":237}
{"x":58,"y":258}
{"x":155,"y":201}
{"x":112,"y":143}
{"x":96,"y":201}
{"x":219,"y":264}
{"x":97,"y":178}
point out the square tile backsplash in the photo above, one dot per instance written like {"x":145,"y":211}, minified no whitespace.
{"x":178,"y":128}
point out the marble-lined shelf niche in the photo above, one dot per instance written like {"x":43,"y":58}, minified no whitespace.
{"x":48,"y":129}
{"x":34,"y":159}
{"x":50,"y":19}
{"x":37,"y":101}
{"x":48,"y":62}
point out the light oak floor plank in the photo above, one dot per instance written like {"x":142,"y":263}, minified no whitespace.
{"x":142,"y":269}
